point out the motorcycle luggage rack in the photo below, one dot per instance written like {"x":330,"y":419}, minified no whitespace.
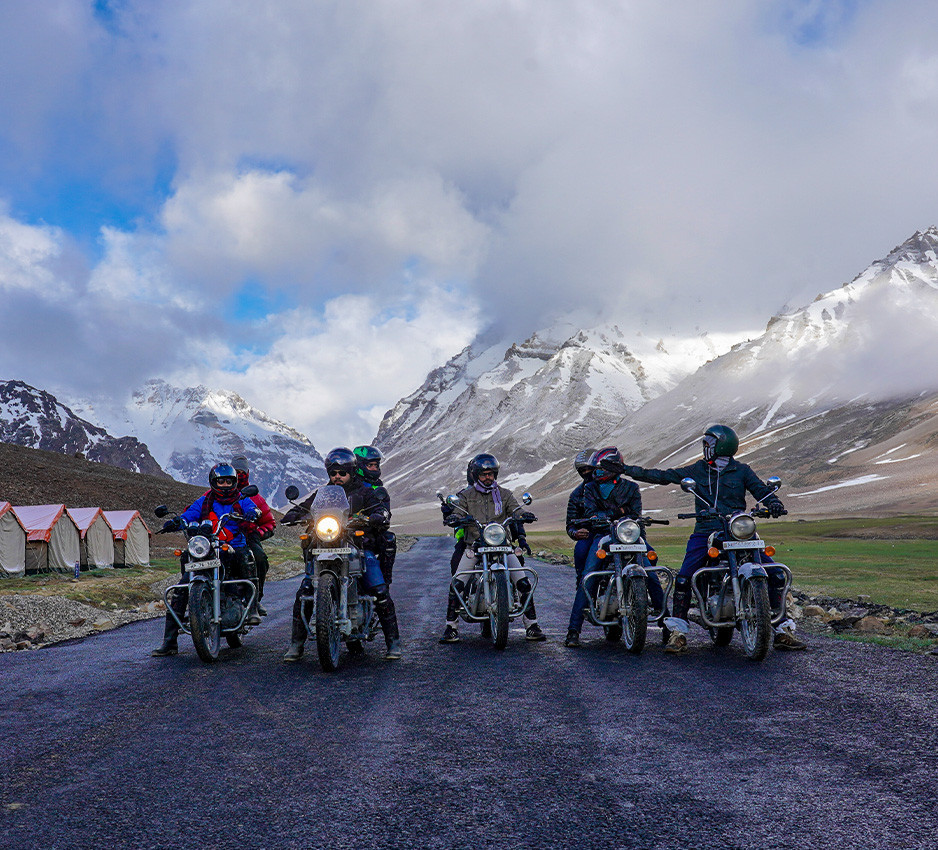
{"x":779,"y":615}
{"x":484,"y":617}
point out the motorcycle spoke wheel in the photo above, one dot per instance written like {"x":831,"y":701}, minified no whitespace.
{"x":206,"y":635}
{"x":328,"y":636}
{"x":635,"y":614}
{"x":755,"y":619}
{"x":499,"y":617}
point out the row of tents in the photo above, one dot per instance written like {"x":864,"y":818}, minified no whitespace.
{"x":41,"y":538}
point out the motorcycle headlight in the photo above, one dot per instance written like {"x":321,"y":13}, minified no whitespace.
{"x":742,"y":527}
{"x":628,"y":531}
{"x":199,"y":547}
{"x":494,"y":534}
{"x":327,"y":528}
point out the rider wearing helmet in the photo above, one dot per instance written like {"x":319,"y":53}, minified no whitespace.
{"x":364,"y":501}
{"x":224,"y":506}
{"x":725,"y":481}
{"x":487,"y":501}
{"x":368,"y":466}
{"x":255,"y":532}
{"x":605,"y":496}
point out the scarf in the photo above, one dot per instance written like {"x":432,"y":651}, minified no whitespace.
{"x":495,"y":492}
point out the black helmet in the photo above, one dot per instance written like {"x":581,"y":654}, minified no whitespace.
{"x":480,"y":463}
{"x":581,"y":463}
{"x":223,"y":479}
{"x":469,"y":473}
{"x":365,"y":455}
{"x":341,"y":459}
{"x":719,"y":441}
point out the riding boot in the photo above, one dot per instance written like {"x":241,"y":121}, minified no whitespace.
{"x":169,"y":646}
{"x":387,"y":616}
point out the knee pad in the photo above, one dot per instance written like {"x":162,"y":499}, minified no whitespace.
{"x":523,"y":585}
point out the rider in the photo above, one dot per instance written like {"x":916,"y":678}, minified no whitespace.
{"x":368,"y":466}
{"x":224,"y":504}
{"x":724,"y":481}
{"x":486,"y":501}
{"x":363,"y":500}
{"x":576,"y":511}
{"x":608,"y":497}
{"x":255,"y":532}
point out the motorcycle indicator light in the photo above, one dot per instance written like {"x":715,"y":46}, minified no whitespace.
{"x":713,"y":552}
{"x":770,"y":551}
{"x":199,"y":547}
{"x":177,"y":552}
{"x":359,"y":533}
{"x":601,"y":554}
{"x":494,"y":534}
{"x":628,"y":531}
{"x":327,"y":528}
{"x":304,"y":537}
{"x":652,"y":556}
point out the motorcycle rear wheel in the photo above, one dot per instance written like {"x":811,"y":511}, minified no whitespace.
{"x":328,"y":637}
{"x":635,"y":618}
{"x":206,"y":636}
{"x":755,"y":618}
{"x":499,"y":617}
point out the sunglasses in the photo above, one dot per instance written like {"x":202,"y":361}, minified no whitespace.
{"x":337,"y":472}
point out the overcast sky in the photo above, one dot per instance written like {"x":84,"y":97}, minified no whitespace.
{"x":315,"y":203}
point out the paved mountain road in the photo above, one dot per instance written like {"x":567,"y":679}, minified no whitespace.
{"x":460,"y":746}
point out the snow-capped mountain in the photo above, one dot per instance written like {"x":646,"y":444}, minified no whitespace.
{"x":190,"y":430}
{"x":532,"y":403}
{"x":839,"y":397}
{"x":36,"y":419}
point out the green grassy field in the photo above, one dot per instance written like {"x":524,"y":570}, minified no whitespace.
{"x":893,"y":561}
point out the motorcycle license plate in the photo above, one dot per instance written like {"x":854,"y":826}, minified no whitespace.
{"x":744,"y":544}
{"x":198,"y":566}
{"x":342,"y":551}
{"x":628,"y":547}
{"x":487,"y":549}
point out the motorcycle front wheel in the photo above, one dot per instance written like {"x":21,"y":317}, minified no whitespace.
{"x":499,"y":617}
{"x":206,"y":635}
{"x":635,"y":614}
{"x":755,"y":618}
{"x":328,"y":638}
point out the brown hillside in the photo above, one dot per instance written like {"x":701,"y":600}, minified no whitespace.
{"x":37,"y":477}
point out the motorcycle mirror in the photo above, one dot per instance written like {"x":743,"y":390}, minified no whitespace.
{"x":439,"y":495}
{"x":687,"y":485}
{"x":291,"y":492}
{"x":452,"y":501}
{"x":249,"y":491}
{"x":526,"y":498}
{"x":774,"y":482}
{"x":161,"y":511}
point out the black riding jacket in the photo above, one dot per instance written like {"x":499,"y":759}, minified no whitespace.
{"x":372,"y":502}
{"x":625,"y":500}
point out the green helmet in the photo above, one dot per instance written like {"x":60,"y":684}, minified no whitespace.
{"x":365,"y":455}
{"x":719,"y":441}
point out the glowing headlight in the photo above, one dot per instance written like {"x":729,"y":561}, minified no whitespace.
{"x":199,"y":547}
{"x":494,"y":534}
{"x":328,"y":528}
{"x":742,"y":527}
{"x":628,"y":531}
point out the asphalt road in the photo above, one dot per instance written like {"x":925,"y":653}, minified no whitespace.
{"x":460,"y":746}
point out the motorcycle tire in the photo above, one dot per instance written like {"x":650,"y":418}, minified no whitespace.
{"x":233,"y":639}
{"x":328,"y":636}
{"x":722,"y":635}
{"x":755,"y":618}
{"x":499,"y":617}
{"x":206,"y":635}
{"x":635,"y":615}
{"x":613,"y":633}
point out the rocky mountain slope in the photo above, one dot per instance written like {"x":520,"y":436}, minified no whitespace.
{"x":533,"y":404}
{"x":190,"y":430}
{"x":36,"y":419}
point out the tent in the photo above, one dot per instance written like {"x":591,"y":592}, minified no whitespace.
{"x":12,"y":543}
{"x":52,"y":538}
{"x":131,"y":538}
{"x":97,"y":539}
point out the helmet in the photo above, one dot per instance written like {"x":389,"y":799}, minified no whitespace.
{"x":469,"y":473}
{"x":482,"y":463}
{"x":223,"y":479}
{"x":341,"y":459}
{"x":609,"y":454}
{"x":365,"y":455}
{"x":241,"y":466}
{"x":581,"y":463}
{"x":719,"y":441}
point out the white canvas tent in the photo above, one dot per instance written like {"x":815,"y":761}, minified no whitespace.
{"x":131,"y":538}
{"x":12,"y":543}
{"x":52,"y":539}
{"x":97,"y":539}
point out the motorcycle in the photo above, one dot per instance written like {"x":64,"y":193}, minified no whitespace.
{"x":338,"y":608}
{"x":618,"y":596}
{"x":489,"y":597}
{"x":732,"y":592}
{"x":216,"y":607}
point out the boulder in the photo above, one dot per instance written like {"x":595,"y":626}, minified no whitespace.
{"x":817,"y":612}
{"x":871,"y":625}
{"x":6,"y":643}
{"x":919,"y":631}
{"x":78,"y":621}
{"x":102,"y":624}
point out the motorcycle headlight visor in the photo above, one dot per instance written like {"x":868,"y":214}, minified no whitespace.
{"x":327,"y":528}
{"x":628,"y":531}
{"x":494,"y":534}
{"x":199,"y":547}
{"x":743,"y":527}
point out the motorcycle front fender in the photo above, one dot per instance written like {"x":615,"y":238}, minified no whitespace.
{"x":750,"y":570}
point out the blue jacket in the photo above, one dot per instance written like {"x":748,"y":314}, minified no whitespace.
{"x":726,"y":487}
{"x":194,"y":513}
